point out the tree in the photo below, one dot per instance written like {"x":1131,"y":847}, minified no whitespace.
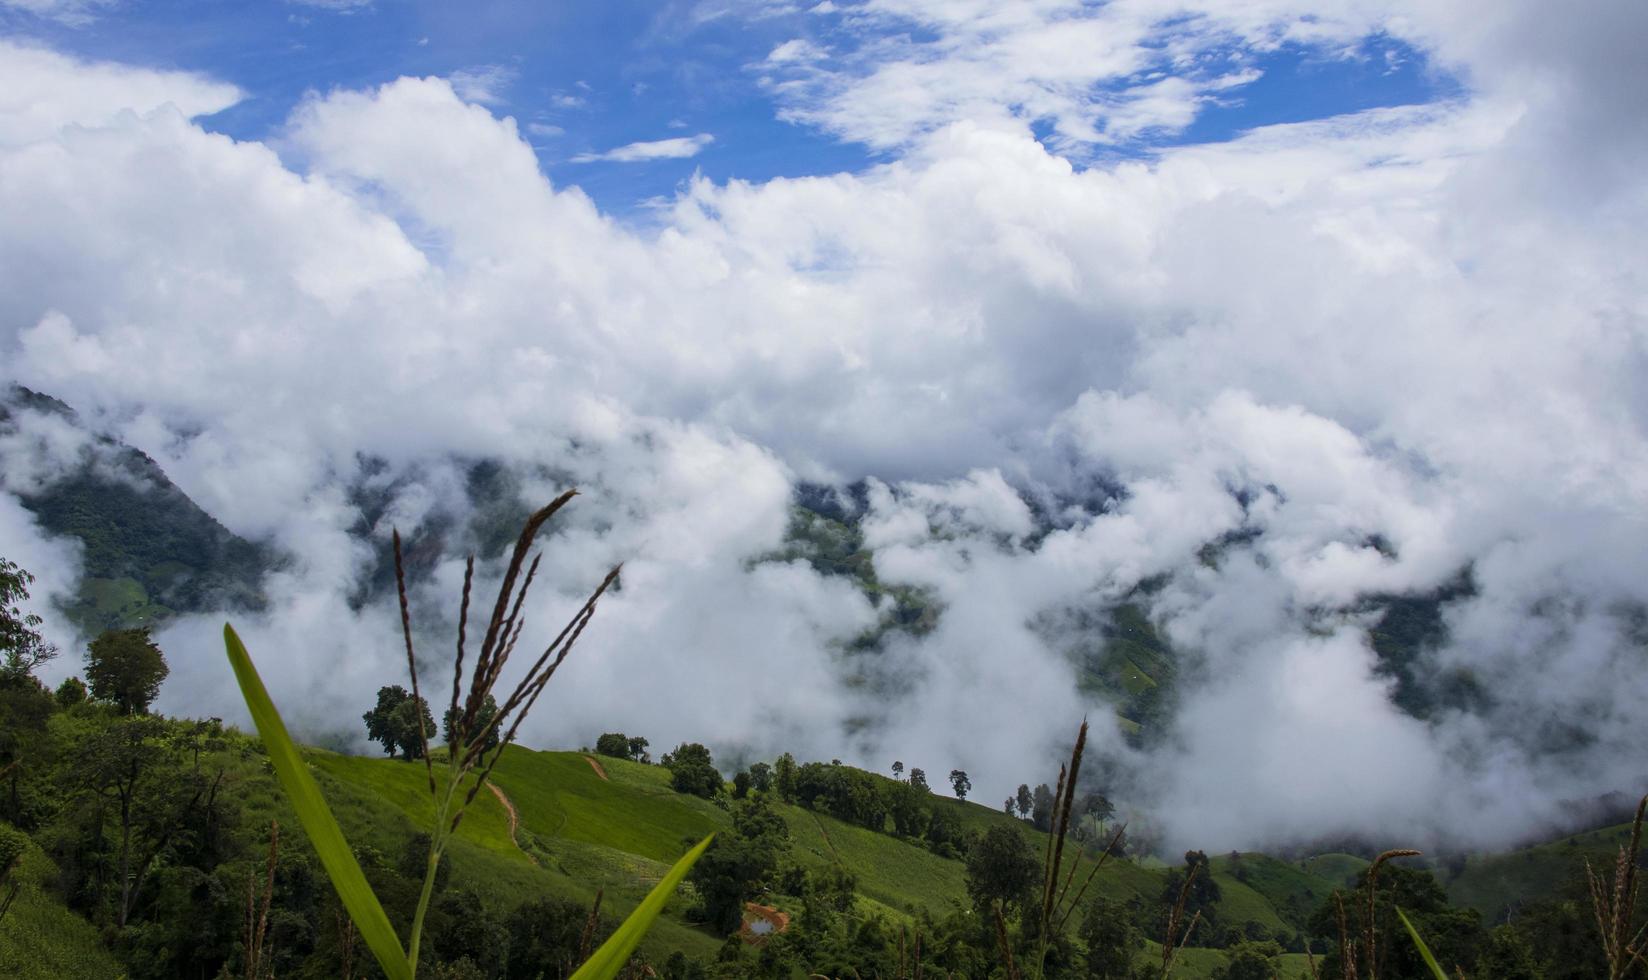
{"x":1041,"y":808}
{"x":1249,"y":960}
{"x":71,"y":692}
{"x":784,"y":777}
{"x":1204,"y":893}
{"x":960,"y":783}
{"x":638,"y":750}
{"x":734,"y":866}
{"x":380,"y":721}
{"x":1024,"y":801}
{"x":413,"y":724}
{"x":761,"y":777}
{"x":1002,"y":867}
{"x":23,"y":647}
{"x":904,"y":805}
{"x":1007,"y":806}
{"x":918,"y":778}
{"x":898,"y":769}
{"x":613,"y":744}
{"x":482,"y":723}
{"x":692,"y":771}
{"x":741,"y":784}
{"x":126,"y":668}
{"x":1112,"y":941}
{"x":394,"y":722}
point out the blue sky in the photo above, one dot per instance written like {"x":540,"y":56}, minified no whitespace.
{"x":584,"y":78}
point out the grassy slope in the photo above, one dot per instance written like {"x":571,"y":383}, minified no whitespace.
{"x":1490,"y":884}
{"x":40,"y":937}
{"x":1286,"y":892}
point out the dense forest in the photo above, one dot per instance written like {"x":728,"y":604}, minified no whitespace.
{"x":143,"y":846}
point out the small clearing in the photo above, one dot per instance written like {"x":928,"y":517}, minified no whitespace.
{"x":595,"y":766}
{"x":761,"y":921}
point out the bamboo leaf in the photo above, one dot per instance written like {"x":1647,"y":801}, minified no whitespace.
{"x":615,"y":952}
{"x":316,"y":818}
{"x":1424,"y":951}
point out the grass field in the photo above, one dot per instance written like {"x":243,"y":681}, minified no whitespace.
{"x":40,"y":939}
{"x":1494,"y":883}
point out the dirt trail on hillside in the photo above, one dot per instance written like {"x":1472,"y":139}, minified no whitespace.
{"x":595,"y":766}
{"x":514,"y":818}
{"x":827,"y":842}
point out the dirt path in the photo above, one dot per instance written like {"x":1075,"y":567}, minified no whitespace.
{"x":595,"y":766}
{"x":514,"y":819}
{"x":827,"y":842}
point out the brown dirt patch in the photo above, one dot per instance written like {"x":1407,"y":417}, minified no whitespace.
{"x":595,"y":766}
{"x":514,"y":818}
{"x":753,"y":913}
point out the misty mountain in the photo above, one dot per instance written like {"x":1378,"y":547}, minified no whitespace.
{"x":148,"y":551}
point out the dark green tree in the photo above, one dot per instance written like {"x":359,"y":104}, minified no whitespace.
{"x":22,"y":648}
{"x":125,"y":667}
{"x":1203,"y":896}
{"x":546,"y":939}
{"x":918,"y":778}
{"x":960,"y":783}
{"x":1024,"y":800}
{"x":734,"y":867}
{"x":380,"y":721}
{"x":394,"y":722}
{"x":638,"y":750}
{"x":784,"y":777}
{"x":741,"y":784}
{"x":71,"y":692}
{"x":1002,"y":867}
{"x":1453,"y":934}
{"x":613,"y":744}
{"x":1041,"y":808}
{"x":483,"y":722}
{"x":1250,"y":960}
{"x":898,"y":769}
{"x":692,"y":771}
{"x":413,"y":724}
{"x":1112,"y":940}
{"x":760,"y":777}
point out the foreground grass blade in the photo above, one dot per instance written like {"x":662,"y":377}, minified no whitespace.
{"x":317,"y":820}
{"x":1424,"y":951}
{"x":615,"y":952}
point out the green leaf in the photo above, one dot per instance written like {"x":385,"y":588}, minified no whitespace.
{"x":614,"y":953}
{"x":316,"y":818}
{"x":1424,"y":951}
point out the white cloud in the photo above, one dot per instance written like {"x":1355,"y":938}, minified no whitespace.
{"x":544,"y":129}
{"x":675,"y":148}
{"x":42,"y":91}
{"x":1419,"y":325}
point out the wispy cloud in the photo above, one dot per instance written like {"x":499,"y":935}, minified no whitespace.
{"x":666,"y":149}
{"x":483,"y":84}
{"x":74,"y":13}
{"x":1094,"y":73}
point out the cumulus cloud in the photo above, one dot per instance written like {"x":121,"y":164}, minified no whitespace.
{"x":1369,"y":353}
{"x":675,"y":148}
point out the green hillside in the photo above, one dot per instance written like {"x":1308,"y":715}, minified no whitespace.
{"x":1493,"y":884}
{"x":40,"y":938}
